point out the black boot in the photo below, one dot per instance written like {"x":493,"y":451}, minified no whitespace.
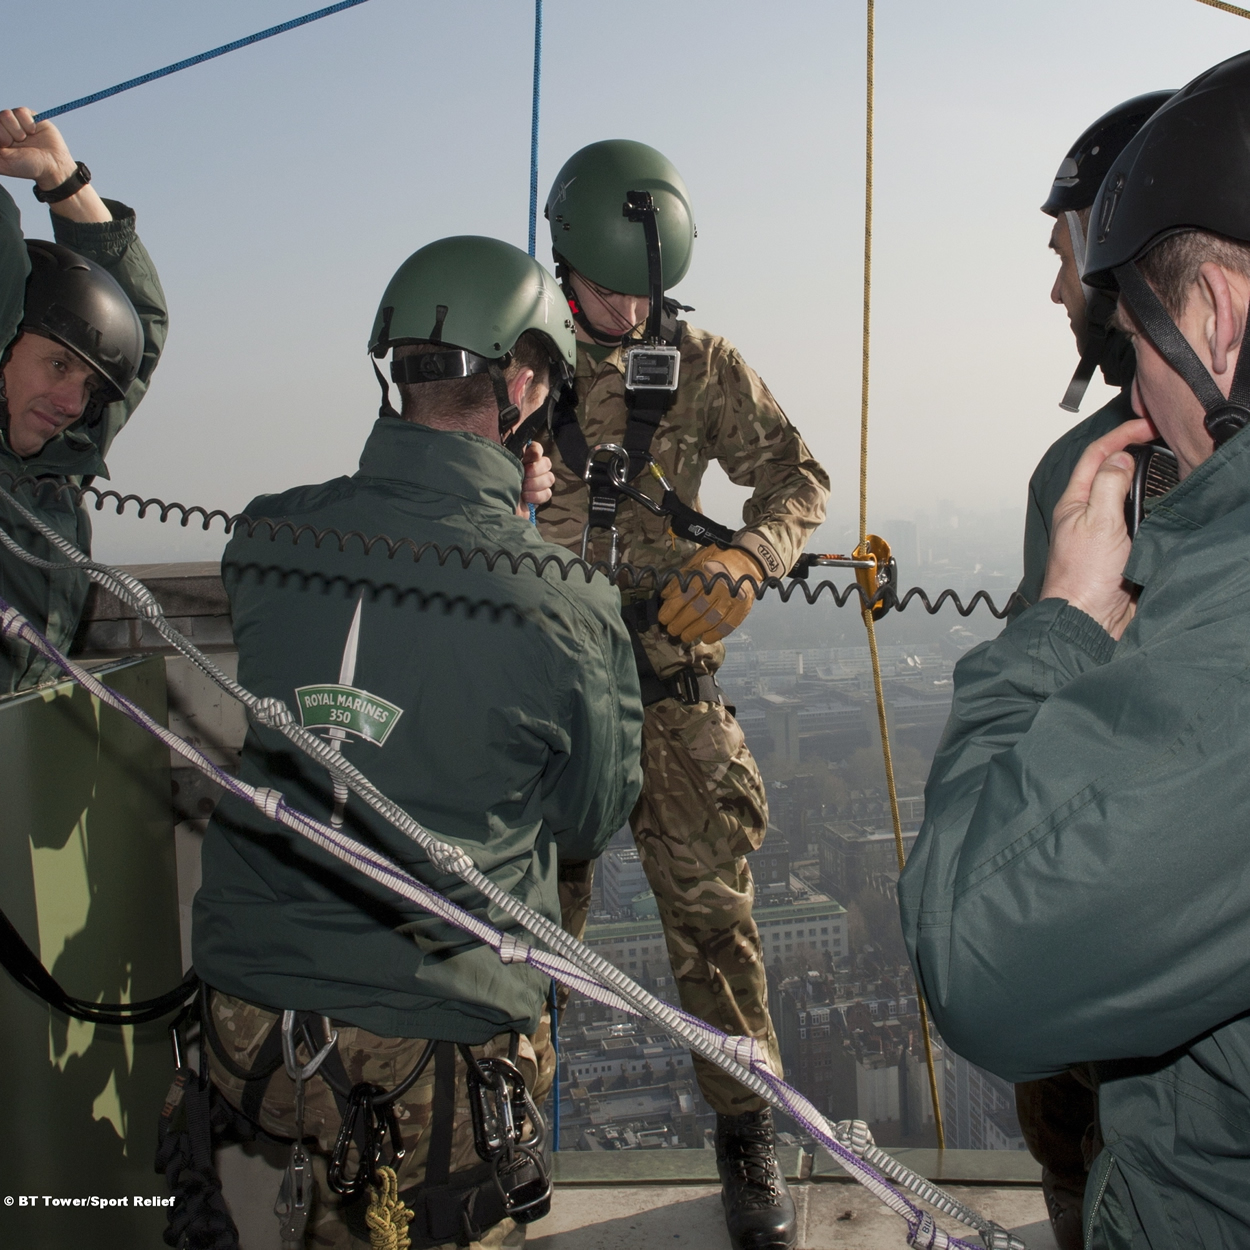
{"x":758,"y":1208}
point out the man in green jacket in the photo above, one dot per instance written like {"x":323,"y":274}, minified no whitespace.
{"x":80,"y":335}
{"x":1100,"y":344}
{"x":1057,"y":1115}
{"x":1080,"y":890}
{"x":505,"y":716}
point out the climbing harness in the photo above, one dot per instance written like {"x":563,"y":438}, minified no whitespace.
{"x":652,"y":370}
{"x":566,"y":959}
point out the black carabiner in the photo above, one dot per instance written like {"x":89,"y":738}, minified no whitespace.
{"x":369,"y":1144}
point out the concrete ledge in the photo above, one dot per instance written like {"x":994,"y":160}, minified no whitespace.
{"x":191,"y":596}
{"x":830,"y":1217}
{"x":950,"y":1167}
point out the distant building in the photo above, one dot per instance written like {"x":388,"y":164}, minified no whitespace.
{"x":855,"y":856}
{"x":771,"y":863}
{"x":817,"y":925}
{"x":979,"y":1108}
{"x":623,"y":879}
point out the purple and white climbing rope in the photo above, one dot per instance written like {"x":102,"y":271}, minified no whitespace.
{"x":568,"y":961}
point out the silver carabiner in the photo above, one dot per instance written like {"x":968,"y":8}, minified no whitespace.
{"x":293,"y":1069}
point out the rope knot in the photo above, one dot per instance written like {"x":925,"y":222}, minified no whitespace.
{"x":269,"y":801}
{"x":387,"y":1217}
{"x":513,"y":950}
{"x":449,"y":859}
{"x":273,"y":714}
{"x":746,"y":1051}
{"x":854,"y":1135}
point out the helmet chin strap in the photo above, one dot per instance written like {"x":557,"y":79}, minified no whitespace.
{"x":564,"y":275}
{"x":1224,"y":416}
{"x":509,"y":413}
{"x":1097,"y":312}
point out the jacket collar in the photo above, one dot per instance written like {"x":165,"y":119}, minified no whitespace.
{"x":71,"y":453}
{"x":444,"y":462}
{"x":1219,"y":485}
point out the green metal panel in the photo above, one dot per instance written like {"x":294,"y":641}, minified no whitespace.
{"x":87,"y":876}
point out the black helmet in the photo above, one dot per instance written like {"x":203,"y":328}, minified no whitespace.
{"x":1074,"y":188}
{"x":1088,"y":159}
{"x":73,"y":300}
{"x":1187,"y":169}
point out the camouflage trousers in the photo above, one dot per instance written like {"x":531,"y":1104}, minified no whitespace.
{"x":702,"y":809}
{"x":383,"y":1061}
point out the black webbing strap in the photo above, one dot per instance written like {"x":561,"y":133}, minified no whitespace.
{"x":442,"y":1115}
{"x":646,"y":410}
{"x":1224,"y":417}
{"x":685,"y":685}
{"x":1099,"y":309}
{"x":450,"y":1206}
{"x":1162,"y":331}
{"x":437,"y":367}
{"x":24,"y":966}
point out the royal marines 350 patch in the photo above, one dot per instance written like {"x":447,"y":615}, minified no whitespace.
{"x":349,"y":709}
{"x":343,"y":708}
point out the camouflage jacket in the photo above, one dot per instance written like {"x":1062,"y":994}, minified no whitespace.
{"x":722,"y":412}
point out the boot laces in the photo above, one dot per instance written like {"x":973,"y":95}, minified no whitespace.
{"x":752,"y":1166}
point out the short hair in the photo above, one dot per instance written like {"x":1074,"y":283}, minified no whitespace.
{"x":1171,"y":266}
{"x":468,"y":403}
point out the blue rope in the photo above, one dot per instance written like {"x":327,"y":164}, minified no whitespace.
{"x":206,"y":56}
{"x":538,"y":72}
{"x":555,"y":1044}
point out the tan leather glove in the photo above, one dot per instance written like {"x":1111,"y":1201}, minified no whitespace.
{"x":713,"y":612}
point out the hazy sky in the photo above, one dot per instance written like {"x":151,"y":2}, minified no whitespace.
{"x":279,"y":187}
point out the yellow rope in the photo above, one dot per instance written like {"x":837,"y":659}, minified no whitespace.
{"x":887,"y":755}
{"x":387,"y":1217}
{"x":1227,"y":8}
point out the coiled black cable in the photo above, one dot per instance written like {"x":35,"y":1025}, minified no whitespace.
{"x":625,"y":576}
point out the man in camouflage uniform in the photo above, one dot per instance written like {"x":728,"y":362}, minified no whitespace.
{"x":703,"y":806}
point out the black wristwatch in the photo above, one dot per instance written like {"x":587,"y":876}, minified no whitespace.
{"x":71,"y":186}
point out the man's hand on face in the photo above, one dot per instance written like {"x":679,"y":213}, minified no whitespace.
{"x":538,"y":480}
{"x":1089,"y":542}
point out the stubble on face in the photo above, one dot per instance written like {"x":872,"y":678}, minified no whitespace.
{"x":47,"y":388}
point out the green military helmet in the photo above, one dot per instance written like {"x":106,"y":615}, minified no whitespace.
{"x":589,"y":232}
{"x":473,"y":293}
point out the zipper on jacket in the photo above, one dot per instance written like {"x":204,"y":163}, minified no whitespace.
{"x":1102,"y":1189}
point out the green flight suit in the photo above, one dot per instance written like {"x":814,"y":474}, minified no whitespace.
{"x":515,"y":723}
{"x":703,"y":808}
{"x":1080,"y":890}
{"x":54,"y":601}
